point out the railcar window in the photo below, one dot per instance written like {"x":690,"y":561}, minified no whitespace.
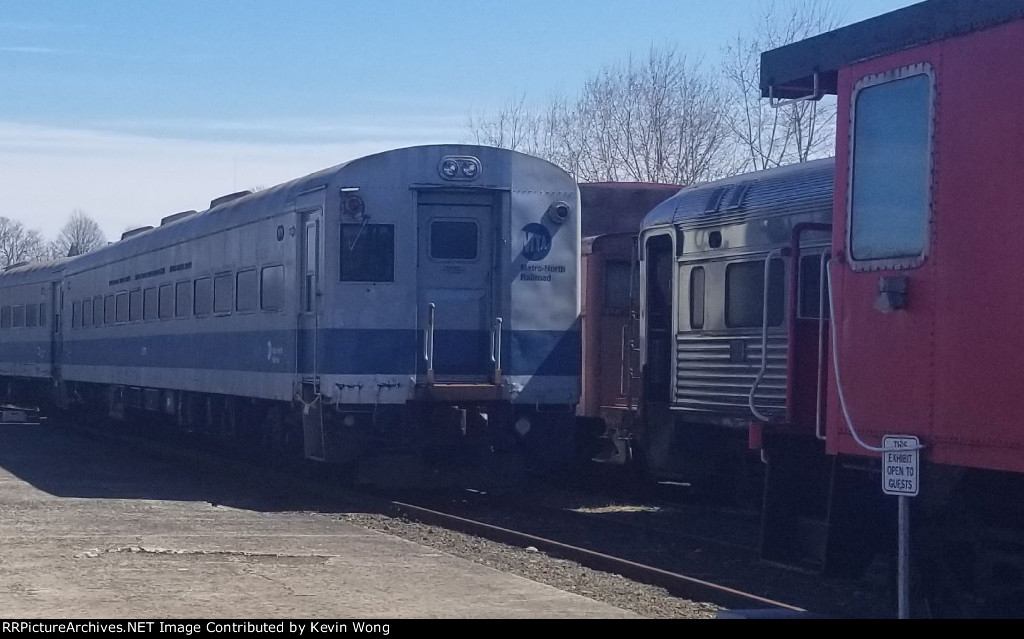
{"x":697,"y":297}
{"x":121,"y":303}
{"x":86,"y":312}
{"x":76,"y":314}
{"x":810,"y":287}
{"x":203,"y":299}
{"x":223,"y":296}
{"x":135,"y":305}
{"x":617,"y":274}
{"x":166,"y":301}
{"x":19,"y":317}
{"x":183,"y":299}
{"x":744,"y":294}
{"x":32,"y":315}
{"x":150,"y":304}
{"x":272,"y":288}
{"x":367,"y":253}
{"x":108,"y":309}
{"x":245,"y":290}
{"x":891,"y":175}
{"x":453,"y":239}
{"x":42,"y":314}
{"x":5,"y":317}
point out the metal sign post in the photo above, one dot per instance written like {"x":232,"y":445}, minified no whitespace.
{"x":900,"y":477}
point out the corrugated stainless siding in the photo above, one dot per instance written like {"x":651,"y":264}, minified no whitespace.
{"x":708,"y":380}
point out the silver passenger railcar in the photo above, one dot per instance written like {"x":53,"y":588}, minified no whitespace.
{"x":729,"y":319}
{"x":420,"y":304}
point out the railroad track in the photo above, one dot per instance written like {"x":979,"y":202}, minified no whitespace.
{"x":330,"y":495}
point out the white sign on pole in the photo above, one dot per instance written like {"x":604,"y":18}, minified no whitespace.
{"x":900,"y":474}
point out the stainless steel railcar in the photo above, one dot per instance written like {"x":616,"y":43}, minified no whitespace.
{"x":420,"y":303}
{"x":729,"y":322}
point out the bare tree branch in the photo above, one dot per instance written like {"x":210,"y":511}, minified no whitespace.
{"x":798,"y":132}
{"x":80,"y":234}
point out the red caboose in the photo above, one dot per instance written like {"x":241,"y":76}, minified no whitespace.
{"x":928,"y":249}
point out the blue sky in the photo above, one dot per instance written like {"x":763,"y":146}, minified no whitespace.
{"x":132,"y":110}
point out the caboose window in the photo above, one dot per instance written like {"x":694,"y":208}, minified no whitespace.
{"x":76,"y":314}
{"x":108,"y":309}
{"x":32,"y":315}
{"x":5,"y":317}
{"x":617,"y":276}
{"x":223,"y":293}
{"x":744,"y":294}
{"x":697,"y":297}
{"x":367,"y":253}
{"x":87,"y":312}
{"x":42,"y":314}
{"x":19,"y":316}
{"x":891,"y":166}
{"x":453,"y":240}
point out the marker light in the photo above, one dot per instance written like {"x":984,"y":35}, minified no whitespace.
{"x":450,"y":169}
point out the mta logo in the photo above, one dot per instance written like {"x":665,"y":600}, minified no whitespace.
{"x":536,"y":242}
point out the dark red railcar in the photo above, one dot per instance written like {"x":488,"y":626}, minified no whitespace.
{"x":611,"y":215}
{"x":928,"y":251}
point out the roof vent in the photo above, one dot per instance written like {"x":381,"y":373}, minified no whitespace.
{"x":177,"y":216}
{"x":227,"y":198}
{"x":130,"y":233}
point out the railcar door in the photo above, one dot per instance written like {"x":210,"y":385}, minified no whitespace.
{"x":310,"y":267}
{"x":455,"y":284}
{"x":808,"y":349}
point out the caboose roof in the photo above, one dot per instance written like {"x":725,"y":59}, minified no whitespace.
{"x":789,"y":71}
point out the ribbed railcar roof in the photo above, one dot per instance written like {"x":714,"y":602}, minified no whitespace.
{"x":788,"y":189}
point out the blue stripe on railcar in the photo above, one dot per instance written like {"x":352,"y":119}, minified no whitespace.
{"x":342,"y":351}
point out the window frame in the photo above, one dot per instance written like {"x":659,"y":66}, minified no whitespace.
{"x":135,"y":305}
{"x":148,"y":304}
{"x":697,"y":268}
{"x":783,"y":310}
{"x":188,"y":286}
{"x":228,"y":276}
{"x":262,"y":289}
{"x":121,"y":302}
{"x":455,"y":220}
{"x":867,"y":82}
{"x":255,"y":289}
{"x":170,"y":299}
{"x":341,"y":253}
{"x":198,"y":282}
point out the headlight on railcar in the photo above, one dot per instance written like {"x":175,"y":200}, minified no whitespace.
{"x":558,"y":212}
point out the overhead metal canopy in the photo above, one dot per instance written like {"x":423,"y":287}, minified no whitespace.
{"x":791,"y":71}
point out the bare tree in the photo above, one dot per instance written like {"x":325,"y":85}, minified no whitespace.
{"x":800,"y":131}
{"x":18,"y":244}
{"x":80,"y":234}
{"x":515,"y":126}
{"x":657,"y":118}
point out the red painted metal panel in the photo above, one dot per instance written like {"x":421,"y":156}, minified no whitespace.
{"x":950,"y":367}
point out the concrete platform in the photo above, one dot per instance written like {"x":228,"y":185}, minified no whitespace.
{"x":88,"y":530}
